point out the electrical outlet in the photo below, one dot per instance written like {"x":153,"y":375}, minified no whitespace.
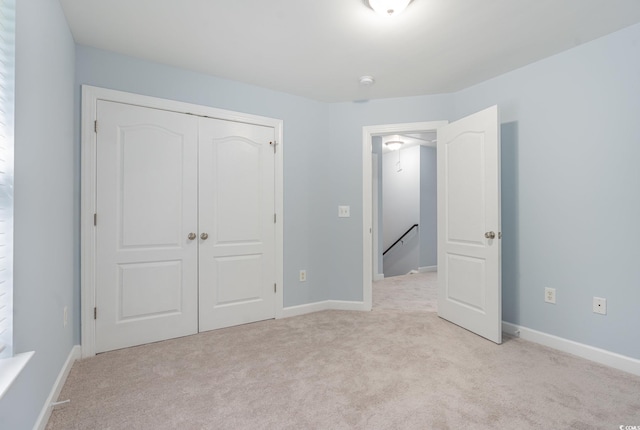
{"x":303,"y":276}
{"x":65,"y":316}
{"x":550,"y":295}
{"x":600,"y":305}
{"x":344,"y":211}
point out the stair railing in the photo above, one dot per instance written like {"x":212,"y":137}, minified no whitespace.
{"x":400,"y":239}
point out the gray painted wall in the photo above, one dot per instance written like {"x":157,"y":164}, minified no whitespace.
{"x":46,"y":227}
{"x":428,"y":207}
{"x":570,"y":200}
{"x":401,"y":188}
{"x":401,"y":209}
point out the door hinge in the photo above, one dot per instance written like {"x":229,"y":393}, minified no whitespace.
{"x":274,"y":144}
{"x":274,"y":218}
{"x":95,"y":313}
{"x":95,"y":126}
{"x":274,"y":288}
{"x":95,"y":219}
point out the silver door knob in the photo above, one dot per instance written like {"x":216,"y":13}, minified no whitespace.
{"x":204,"y":236}
{"x":490,"y":235}
{"x":191,"y":236}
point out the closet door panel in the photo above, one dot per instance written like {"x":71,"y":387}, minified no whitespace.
{"x":146,"y":286}
{"x":236,"y":200}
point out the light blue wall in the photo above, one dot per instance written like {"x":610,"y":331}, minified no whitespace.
{"x":305,"y":154}
{"x":428,"y":207}
{"x":323,"y":160}
{"x":46,"y":223}
{"x":570,"y":135}
{"x":570,"y":139}
{"x":345,"y":179}
{"x":571,"y":200}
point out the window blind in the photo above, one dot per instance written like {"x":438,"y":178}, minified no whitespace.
{"x":7,"y":79}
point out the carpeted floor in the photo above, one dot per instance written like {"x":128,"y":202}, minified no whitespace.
{"x":417,"y":292}
{"x":385,"y":369}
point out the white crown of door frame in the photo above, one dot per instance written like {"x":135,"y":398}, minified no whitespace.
{"x":90,"y":97}
{"x":368,"y":132}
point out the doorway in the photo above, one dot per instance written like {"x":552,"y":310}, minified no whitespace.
{"x":406,"y":201}
{"x":468,"y":222}
{"x":369,"y":236}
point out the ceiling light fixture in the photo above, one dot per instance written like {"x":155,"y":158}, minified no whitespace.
{"x":389,"y":7}
{"x":394,"y":145}
{"x":367,"y":80}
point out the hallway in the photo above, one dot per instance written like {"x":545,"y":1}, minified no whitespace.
{"x":417,"y":292}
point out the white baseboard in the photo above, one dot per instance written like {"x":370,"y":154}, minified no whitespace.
{"x":602,"y":356}
{"x":294,"y":311}
{"x":43,"y":418}
{"x":427,"y":269}
{"x":342,"y":305}
{"x":378,"y":277}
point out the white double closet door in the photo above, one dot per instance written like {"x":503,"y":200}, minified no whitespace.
{"x":185,"y":224}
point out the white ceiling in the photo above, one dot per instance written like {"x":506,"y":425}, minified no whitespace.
{"x":319,"y":49}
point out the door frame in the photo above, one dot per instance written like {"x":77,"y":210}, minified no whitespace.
{"x":88,"y":181}
{"x":375,"y":202}
{"x":368,"y":132}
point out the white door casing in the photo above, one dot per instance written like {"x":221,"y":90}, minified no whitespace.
{"x":374,"y":213}
{"x":92,"y":98}
{"x":146,"y":284}
{"x":237,"y":266}
{"x":469,"y":277}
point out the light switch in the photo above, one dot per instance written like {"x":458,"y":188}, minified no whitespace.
{"x":344,"y":211}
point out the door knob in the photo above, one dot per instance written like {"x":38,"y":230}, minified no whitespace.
{"x":490,"y":235}
{"x":204,"y":236}
{"x":191,"y":236}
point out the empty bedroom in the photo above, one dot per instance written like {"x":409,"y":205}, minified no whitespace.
{"x":338,"y":214}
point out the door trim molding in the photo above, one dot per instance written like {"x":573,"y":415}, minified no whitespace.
{"x":90,"y":97}
{"x":367,"y":177}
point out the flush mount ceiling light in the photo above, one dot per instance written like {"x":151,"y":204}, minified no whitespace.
{"x":394,"y":145}
{"x":388,"y":7}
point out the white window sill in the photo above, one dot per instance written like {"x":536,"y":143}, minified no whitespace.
{"x":10,"y":368}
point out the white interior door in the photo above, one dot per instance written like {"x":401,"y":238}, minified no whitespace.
{"x":469,"y":278}
{"x":146,"y":266}
{"x":237,"y":225}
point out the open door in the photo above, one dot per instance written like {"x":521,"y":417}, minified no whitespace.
{"x":469,"y":233}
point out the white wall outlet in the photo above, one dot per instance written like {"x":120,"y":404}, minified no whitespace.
{"x":600,"y":305}
{"x":344,"y":211}
{"x":550,"y":295}
{"x":65,"y":316}
{"x":303,"y":276}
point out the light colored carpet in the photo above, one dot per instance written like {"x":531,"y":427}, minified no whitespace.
{"x":345,"y":370}
{"x":418,"y":292}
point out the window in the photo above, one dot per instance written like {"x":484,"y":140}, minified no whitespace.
{"x":7,"y":78}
